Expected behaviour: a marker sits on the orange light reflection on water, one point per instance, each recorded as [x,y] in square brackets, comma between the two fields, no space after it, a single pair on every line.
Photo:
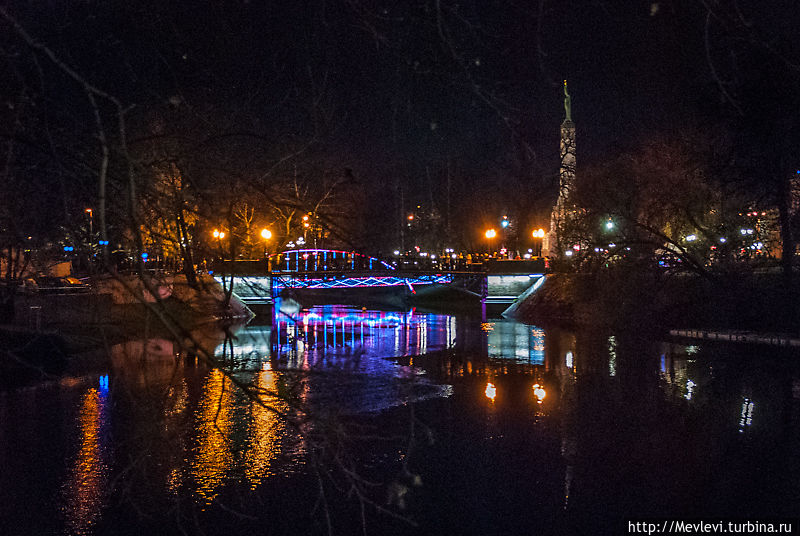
[266,430]
[223,454]
[84,489]
[213,458]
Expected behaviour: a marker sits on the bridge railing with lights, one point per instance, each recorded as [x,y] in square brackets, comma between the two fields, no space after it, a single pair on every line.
[306,261]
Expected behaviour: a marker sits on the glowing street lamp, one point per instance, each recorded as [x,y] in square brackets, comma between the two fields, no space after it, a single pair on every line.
[218,234]
[489,234]
[538,235]
[90,212]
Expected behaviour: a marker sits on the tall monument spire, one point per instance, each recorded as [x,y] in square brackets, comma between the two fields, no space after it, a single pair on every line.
[563,209]
[567,103]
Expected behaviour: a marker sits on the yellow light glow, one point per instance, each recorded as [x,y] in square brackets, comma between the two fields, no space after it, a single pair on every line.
[216,233]
[538,233]
[84,493]
[213,457]
[491,233]
[539,392]
[491,391]
[221,234]
[266,234]
[266,430]
[305,218]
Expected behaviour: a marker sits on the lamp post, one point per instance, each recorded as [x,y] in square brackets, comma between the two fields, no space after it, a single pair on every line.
[266,234]
[538,235]
[504,224]
[90,212]
[489,234]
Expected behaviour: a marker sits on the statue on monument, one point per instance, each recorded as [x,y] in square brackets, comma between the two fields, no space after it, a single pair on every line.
[567,103]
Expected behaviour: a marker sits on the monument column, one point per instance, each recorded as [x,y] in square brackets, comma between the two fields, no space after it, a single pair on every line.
[552,244]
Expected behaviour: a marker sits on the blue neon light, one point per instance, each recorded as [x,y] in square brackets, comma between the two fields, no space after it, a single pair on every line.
[361,282]
[103,383]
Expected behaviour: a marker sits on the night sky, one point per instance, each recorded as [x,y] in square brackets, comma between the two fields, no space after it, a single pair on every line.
[401,93]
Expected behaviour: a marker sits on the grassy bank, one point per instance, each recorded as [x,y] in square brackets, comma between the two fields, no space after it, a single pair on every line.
[623,299]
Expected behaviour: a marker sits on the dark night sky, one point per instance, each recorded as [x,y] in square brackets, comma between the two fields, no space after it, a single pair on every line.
[390,72]
[403,89]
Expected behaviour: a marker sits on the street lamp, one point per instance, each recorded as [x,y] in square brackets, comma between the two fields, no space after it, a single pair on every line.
[266,234]
[538,235]
[91,224]
[489,234]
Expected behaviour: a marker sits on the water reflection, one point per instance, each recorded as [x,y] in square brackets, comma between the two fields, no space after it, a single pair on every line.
[85,488]
[267,429]
[213,457]
[308,335]
[600,425]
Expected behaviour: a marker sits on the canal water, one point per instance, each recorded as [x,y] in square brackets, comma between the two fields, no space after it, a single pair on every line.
[354,420]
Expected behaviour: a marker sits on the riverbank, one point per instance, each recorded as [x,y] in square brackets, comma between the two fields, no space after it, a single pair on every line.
[621,299]
[56,334]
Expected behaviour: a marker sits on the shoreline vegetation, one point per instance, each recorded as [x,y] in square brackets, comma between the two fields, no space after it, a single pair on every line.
[54,335]
[628,301]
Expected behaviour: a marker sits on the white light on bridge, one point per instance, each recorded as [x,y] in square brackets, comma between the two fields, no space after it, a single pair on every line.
[539,392]
[689,389]
[491,391]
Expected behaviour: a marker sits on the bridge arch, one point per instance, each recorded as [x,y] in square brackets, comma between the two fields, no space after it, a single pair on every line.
[320,260]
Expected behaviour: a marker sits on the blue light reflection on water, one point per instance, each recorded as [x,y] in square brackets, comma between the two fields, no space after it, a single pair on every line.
[311,334]
[370,354]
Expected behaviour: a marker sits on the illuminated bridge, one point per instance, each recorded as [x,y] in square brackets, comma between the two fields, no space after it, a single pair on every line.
[320,272]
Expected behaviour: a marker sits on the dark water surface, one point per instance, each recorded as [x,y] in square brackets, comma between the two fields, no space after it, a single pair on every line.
[458,425]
